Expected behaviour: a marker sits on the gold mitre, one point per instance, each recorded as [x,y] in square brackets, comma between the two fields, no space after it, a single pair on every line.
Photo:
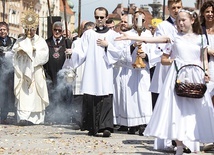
[29,19]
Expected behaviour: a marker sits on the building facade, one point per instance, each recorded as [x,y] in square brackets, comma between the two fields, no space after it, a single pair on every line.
[11,12]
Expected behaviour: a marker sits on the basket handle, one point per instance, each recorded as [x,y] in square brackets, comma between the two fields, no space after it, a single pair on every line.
[194,65]
[178,70]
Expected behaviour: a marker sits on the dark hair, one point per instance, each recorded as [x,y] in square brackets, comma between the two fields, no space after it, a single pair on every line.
[109,21]
[170,2]
[21,35]
[140,12]
[203,8]
[88,25]
[101,9]
[4,24]
[196,26]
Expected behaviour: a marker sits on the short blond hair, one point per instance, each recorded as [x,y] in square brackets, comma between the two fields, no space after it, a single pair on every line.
[170,2]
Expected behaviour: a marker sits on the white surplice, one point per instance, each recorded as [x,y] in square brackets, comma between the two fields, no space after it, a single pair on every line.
[133,106]
[97,76]
[30,85]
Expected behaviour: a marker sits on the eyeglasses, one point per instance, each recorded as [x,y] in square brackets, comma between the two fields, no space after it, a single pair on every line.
[101,17]
[59,30]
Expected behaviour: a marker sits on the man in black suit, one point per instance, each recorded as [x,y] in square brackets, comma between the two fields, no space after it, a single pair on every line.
[7,101]
[57,54]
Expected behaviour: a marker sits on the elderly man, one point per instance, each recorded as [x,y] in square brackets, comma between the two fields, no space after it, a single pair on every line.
[60,97]
[57,47]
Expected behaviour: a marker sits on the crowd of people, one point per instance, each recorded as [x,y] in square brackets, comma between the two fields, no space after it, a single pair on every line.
[121,81]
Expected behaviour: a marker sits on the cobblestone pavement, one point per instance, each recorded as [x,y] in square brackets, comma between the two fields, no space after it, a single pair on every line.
[64,140]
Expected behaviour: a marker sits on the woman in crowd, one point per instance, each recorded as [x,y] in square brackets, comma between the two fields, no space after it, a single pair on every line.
[207,21]
[181,118]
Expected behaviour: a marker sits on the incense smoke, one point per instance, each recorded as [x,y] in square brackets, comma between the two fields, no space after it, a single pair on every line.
[62,107]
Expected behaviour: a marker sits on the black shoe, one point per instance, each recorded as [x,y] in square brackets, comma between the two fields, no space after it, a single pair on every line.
[106,133]
[4,121]
[25,123]
[22,123]
[132,130]
[29,123]
[90,133]
[186,150]
[174,143]
[141,129]
[123,128]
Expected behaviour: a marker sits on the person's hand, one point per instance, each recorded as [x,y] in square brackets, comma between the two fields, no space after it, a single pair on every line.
[207,77]
[68,53]
[102,42]
[142,55]
[210,51]
[137,43]
[34,49]
[123,36]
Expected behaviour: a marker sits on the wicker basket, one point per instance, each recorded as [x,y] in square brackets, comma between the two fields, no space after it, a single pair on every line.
[191,90]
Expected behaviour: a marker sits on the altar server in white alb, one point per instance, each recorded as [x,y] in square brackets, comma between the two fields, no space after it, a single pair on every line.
[135,99]
[99,51]
[165,28]
[31,53]
[118,81]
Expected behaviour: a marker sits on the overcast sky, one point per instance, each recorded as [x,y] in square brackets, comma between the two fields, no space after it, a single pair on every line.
[88,6]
